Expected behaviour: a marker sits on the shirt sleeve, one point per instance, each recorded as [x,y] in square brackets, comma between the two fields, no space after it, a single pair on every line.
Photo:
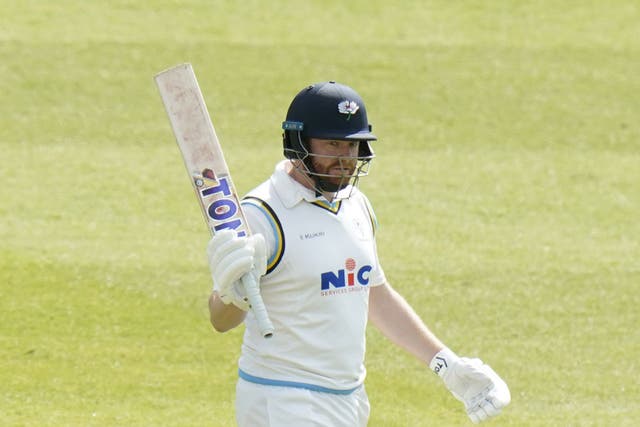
[262,221]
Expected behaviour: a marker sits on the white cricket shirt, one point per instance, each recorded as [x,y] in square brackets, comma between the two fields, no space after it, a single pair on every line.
[322,260]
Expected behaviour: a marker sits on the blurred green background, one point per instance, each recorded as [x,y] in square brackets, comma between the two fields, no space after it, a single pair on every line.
[507,187]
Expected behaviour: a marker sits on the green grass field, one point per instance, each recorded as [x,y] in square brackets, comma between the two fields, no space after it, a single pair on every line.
[507,186]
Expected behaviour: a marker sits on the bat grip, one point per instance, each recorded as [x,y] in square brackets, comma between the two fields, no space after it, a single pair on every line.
[257,305]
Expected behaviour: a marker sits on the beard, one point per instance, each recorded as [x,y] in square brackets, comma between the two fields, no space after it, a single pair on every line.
[335,172]
[334,176]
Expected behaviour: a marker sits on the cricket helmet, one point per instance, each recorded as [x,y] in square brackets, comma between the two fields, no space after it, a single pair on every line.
[333,111]
[327,110]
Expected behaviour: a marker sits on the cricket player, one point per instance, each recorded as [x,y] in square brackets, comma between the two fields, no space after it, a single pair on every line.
[313,251]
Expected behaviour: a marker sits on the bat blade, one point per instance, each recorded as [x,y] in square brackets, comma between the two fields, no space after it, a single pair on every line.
[205,163]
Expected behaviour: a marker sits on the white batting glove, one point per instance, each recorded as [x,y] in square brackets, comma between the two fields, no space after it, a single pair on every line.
[230,258]
[472,382]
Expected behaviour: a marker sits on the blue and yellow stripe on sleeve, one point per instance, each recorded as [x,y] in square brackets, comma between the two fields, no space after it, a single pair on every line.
[276,228]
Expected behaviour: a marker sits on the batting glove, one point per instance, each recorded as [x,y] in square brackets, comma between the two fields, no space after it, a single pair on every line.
[472,382]
[230,258]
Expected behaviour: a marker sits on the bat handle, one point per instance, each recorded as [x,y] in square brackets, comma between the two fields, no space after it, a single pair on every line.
[257,305]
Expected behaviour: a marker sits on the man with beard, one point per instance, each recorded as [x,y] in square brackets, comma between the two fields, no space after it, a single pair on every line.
[314,254]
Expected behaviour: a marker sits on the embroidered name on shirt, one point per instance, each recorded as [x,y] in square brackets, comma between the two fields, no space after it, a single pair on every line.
[313,235]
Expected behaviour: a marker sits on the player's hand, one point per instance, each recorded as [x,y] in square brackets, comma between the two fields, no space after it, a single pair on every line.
[230,258]
[474,383]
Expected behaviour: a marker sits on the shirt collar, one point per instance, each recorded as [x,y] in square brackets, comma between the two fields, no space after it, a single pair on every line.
[290,191]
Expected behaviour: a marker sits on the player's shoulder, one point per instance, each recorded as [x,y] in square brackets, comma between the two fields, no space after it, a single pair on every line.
[357,196]
[263,191]
[362,200]
[356,193]
[263,197]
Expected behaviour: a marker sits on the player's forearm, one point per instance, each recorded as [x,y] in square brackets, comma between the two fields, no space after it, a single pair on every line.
[224,317]
[394,317]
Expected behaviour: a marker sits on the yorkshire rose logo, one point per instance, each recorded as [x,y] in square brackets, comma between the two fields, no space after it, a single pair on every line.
[348,107]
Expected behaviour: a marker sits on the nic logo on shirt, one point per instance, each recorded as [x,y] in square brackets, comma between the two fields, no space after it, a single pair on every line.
[345,277]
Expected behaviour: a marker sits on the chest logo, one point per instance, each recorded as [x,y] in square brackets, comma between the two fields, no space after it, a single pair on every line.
[348,276]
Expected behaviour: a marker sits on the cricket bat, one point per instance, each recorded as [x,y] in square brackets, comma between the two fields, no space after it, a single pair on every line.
[207,168]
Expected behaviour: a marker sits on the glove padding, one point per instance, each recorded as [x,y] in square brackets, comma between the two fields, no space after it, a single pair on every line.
[230,258]
[472,382]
